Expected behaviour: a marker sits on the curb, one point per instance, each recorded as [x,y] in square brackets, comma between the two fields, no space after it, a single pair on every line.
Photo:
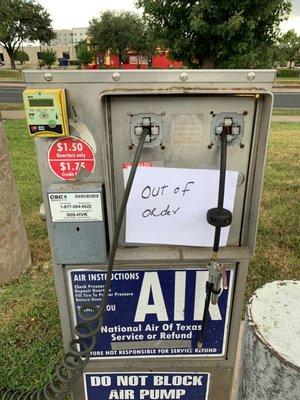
[12,84]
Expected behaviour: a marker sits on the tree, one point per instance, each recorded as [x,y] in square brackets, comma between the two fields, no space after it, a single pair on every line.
[21,56]
[21,21]
[223,33]
[121,32]
[289,47]
[49,57]
[14,249]
[83,53]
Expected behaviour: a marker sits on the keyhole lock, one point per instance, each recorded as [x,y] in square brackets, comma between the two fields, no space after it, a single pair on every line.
[152,124]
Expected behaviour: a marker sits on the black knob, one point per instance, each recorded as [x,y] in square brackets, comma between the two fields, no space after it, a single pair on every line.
[219,217]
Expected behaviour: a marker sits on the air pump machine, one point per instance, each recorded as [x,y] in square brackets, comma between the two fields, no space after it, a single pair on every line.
[151,183]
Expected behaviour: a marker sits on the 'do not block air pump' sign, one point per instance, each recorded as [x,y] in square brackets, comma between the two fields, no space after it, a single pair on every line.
[67,156]
[153,386]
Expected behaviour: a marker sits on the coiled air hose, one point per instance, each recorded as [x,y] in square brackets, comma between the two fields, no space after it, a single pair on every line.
[73,363]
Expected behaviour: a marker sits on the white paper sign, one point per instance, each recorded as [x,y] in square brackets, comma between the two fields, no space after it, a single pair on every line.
[169,206]
[75,207]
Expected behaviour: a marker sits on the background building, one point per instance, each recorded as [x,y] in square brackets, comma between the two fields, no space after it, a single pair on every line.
[69,36]
[64,45]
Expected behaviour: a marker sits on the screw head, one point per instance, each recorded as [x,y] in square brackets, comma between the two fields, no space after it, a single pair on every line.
[184,76]
[48,76]
[209,146]
[251,76]
[241,179]
[116,76]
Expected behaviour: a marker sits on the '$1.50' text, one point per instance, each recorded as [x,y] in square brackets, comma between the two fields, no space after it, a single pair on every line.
[69,147]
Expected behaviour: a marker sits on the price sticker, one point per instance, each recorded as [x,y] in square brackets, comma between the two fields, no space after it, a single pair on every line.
[67,156]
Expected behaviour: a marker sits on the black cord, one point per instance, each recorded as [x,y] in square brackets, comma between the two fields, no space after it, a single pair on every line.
[218,227]
[71,368]
[209,287]
[222,180]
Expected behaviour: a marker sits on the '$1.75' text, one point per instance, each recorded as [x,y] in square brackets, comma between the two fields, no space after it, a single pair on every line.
[74,166]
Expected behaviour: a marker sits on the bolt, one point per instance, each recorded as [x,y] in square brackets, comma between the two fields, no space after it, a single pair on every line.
[48,77]
[245,112]
[163,147]
[184,76]
[251,76]
[242,145]
[210,146]
[241,179]
[116,76]
[130,147]
[212,113]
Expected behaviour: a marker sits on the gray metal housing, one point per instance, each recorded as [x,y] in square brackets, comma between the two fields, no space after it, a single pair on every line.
[100,104]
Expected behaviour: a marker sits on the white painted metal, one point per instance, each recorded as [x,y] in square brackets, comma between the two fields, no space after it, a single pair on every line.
[270,366]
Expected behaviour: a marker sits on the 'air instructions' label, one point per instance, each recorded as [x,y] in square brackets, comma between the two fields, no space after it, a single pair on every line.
[154,313]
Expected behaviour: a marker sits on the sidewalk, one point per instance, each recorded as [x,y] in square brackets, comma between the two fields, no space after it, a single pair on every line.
[286,118]
[13,114]
[12,84]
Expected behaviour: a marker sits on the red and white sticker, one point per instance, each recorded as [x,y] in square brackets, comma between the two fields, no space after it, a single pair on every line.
[67,156]
[129,164]
[127,168]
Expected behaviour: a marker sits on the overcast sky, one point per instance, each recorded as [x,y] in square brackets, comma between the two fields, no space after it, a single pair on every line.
[74,14]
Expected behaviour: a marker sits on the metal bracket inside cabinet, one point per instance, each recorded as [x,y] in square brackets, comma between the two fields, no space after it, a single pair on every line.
[151,121]
[237,131]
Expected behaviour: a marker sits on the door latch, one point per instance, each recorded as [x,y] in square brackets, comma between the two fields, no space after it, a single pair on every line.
[150,122]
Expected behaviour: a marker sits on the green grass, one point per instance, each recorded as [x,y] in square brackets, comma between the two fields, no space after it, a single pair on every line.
[30,339]
[286,111]
[288,81]
[28,181]
[277,253]
[10,75]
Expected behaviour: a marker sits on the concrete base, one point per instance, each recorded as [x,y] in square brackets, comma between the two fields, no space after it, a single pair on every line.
[270,362]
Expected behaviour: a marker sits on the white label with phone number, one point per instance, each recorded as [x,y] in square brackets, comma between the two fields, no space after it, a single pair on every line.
[75,207]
